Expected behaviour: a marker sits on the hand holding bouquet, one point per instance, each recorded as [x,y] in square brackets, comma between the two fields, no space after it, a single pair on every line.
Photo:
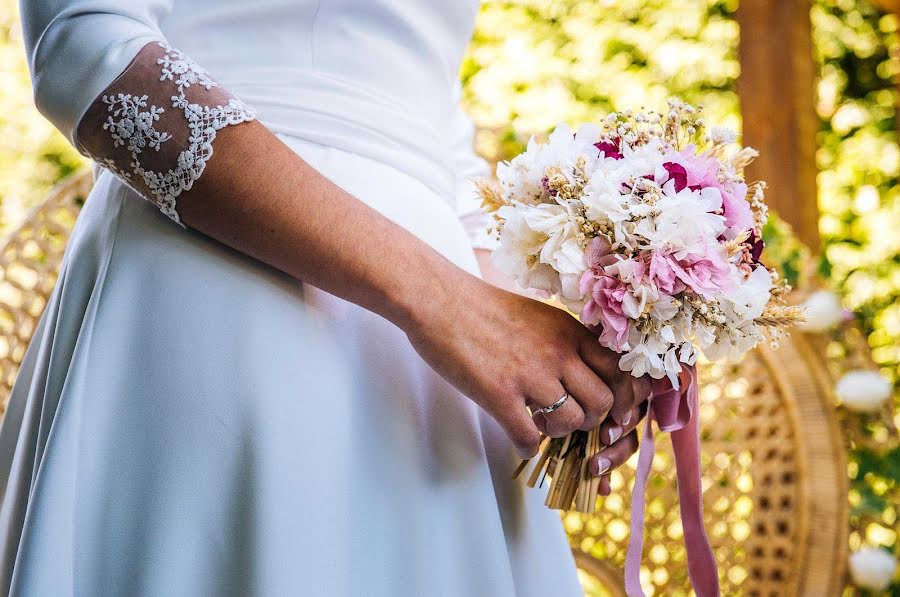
[645,226]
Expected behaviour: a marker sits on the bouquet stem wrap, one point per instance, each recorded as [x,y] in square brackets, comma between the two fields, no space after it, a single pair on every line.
[676,412]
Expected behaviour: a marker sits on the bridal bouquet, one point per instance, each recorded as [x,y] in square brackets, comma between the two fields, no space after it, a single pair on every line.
[645,226]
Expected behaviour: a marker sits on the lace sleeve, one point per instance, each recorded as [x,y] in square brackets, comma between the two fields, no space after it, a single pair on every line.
[155,125]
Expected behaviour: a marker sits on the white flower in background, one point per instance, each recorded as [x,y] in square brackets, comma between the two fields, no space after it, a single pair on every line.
[863,391]
[823,311]
[872,568]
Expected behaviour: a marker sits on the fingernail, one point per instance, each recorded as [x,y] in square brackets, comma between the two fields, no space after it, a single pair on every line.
[603,464]
[627,418]
[614,434]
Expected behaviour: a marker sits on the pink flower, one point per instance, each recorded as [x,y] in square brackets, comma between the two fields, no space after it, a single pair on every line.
[604,307]
[701,171]
[599,253]
[662,274]
[705,274]
[735,207]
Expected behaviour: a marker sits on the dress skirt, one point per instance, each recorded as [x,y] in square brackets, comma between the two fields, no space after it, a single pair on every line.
[189,421]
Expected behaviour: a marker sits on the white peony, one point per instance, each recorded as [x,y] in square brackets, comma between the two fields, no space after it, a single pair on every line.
[603,200]
[750,298]
[872,568]
[519,244]
[823,311]
[863,391]
[561,249]
[539,249]
[685,222]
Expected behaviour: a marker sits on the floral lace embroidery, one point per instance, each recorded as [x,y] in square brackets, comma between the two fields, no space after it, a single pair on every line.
[131,123]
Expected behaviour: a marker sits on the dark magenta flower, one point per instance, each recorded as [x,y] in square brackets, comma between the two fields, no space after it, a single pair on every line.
[678,174]
[610,149]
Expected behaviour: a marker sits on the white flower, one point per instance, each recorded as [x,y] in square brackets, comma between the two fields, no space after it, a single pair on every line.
[603,199]
[823,311]
[863,391]
[538,248]
[750,298]
[685,222]
[722,135]
[521,178]
[519,244]
[641,360]
[561,250]
[872,568]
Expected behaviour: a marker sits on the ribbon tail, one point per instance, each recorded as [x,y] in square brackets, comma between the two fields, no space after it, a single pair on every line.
[686,446]
[638,503]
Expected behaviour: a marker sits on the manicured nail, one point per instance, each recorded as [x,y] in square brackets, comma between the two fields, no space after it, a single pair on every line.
[603,464]
[614,434]
[627,418]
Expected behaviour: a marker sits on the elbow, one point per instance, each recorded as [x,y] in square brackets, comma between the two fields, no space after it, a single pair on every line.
[56,68]
[75,55]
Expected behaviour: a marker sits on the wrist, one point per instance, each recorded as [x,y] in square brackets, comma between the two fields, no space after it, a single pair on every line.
[430,294]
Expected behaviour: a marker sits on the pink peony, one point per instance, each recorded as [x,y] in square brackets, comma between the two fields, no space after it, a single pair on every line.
[735,207]
[706,274]
[701,171]
[662,274]
[604,307]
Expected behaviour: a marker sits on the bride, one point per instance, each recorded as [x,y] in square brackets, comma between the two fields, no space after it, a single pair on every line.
[285,372]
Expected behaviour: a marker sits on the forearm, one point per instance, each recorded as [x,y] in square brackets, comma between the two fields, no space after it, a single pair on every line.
[156,126]
[260,198]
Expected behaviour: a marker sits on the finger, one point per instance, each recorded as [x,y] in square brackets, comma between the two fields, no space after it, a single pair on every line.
[562,421]
[520,428]
[593,395]
[606,364]
[614,456]
[605,485]
[611,432]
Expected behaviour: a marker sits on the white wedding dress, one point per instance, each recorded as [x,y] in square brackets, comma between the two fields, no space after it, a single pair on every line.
[189,421]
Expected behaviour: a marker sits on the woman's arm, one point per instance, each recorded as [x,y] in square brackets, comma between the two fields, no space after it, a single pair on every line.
[254,194]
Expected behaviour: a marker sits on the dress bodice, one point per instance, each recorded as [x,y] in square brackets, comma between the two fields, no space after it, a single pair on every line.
[375,77]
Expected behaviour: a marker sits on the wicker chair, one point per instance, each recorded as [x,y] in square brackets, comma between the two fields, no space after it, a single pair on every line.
[774,462]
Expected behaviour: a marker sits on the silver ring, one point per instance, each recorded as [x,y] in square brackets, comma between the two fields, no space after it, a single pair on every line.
[556,405]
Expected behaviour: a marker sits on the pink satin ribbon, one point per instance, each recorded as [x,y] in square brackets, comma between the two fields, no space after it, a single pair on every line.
[676,412]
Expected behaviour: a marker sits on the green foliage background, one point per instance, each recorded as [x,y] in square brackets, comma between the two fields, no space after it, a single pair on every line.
[534,63]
